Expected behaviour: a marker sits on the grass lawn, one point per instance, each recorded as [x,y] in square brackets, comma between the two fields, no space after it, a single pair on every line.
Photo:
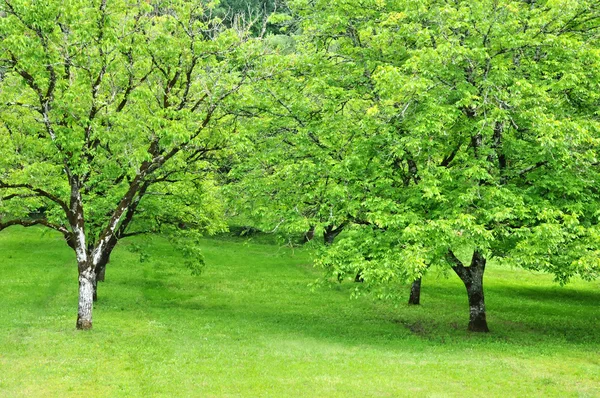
[250,326]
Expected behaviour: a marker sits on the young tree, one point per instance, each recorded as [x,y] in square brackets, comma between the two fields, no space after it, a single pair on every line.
[113,113]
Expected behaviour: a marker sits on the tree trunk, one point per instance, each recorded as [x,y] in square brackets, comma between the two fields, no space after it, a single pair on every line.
[330,233]
[415,293]
[96,289]
[100,275]
[102,272]
[477,320]
[309,235]
[87,279]
[472,277]
[328,238]
[100,269]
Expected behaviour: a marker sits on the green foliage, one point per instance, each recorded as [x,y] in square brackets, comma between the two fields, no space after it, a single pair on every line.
[118,114]
[419,128]
[485,133]
[310,149]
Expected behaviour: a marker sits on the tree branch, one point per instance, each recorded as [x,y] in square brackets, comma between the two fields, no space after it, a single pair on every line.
[38,191]
[531,168]
[30,223]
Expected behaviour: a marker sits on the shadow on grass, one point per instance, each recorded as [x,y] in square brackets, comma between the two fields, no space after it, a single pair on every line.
[551,295]
[518,317]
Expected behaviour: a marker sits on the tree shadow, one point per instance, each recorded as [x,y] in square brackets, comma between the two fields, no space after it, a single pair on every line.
[518,316]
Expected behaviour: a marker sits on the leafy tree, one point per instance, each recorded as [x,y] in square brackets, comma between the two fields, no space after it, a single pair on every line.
[302,132]
[313,148]
[320,131]
[495,124]
[314,138]
[113,115]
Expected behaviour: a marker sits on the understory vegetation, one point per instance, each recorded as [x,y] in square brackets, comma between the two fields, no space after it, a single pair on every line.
[250,326]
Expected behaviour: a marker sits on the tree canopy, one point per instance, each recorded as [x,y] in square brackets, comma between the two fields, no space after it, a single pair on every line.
[432,133]
[113,115]
[476,136]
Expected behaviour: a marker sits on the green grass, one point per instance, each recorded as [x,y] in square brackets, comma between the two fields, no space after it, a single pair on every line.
[250,326]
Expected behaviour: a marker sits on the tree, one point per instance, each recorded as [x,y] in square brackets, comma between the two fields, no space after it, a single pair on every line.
[302,130]
[113,114]
[494,132]
[341,57]
[313,137]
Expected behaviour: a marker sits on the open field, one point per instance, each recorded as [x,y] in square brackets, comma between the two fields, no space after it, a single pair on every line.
[250,326]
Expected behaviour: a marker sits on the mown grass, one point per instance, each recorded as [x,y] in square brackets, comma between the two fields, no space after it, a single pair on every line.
[250,326]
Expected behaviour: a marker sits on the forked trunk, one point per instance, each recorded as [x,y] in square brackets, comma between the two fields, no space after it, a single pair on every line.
[415,293]
[472,277]
[329,237]
[87,280]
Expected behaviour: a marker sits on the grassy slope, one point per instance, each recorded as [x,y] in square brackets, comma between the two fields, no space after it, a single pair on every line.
[249,326]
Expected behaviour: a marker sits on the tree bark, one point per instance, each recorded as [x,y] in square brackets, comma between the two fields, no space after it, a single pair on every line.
[95,289]
[100,269]
[102,272]
[472,277]
[87,279]
[415,293]
[309,235]
[330,233]
[328,238]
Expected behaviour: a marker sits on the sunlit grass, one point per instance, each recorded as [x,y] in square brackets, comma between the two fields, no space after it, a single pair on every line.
[250,326]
